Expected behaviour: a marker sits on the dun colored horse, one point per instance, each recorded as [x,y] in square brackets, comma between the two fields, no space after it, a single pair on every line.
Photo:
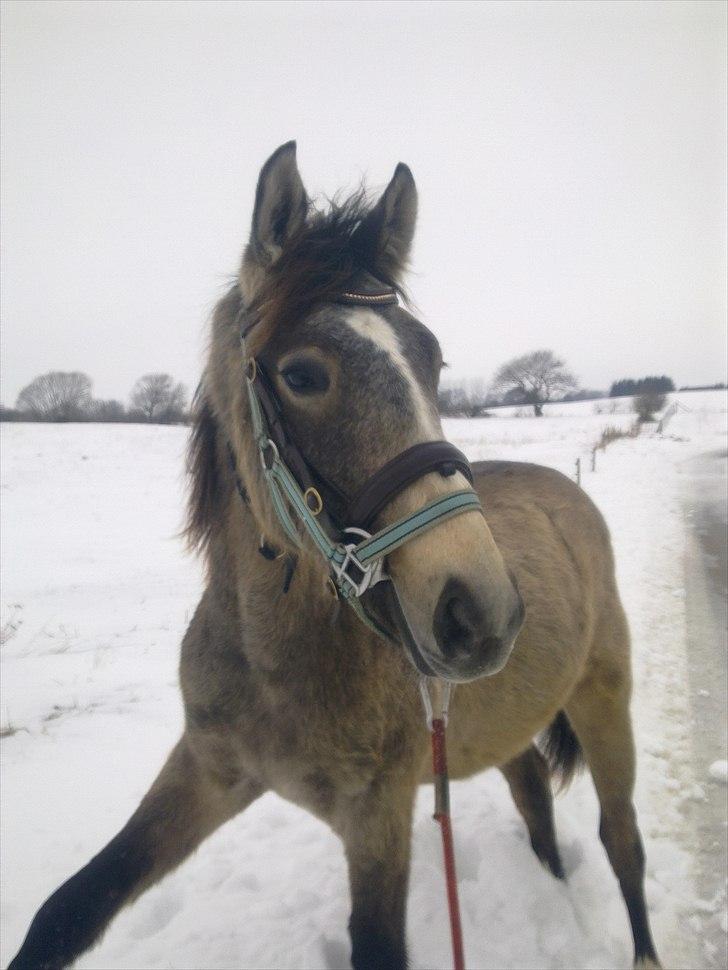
[286,686]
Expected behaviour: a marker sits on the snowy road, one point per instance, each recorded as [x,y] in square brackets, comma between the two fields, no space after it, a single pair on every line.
[706,510]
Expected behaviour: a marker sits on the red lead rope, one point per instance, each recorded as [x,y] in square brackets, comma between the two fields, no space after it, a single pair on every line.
[442,815]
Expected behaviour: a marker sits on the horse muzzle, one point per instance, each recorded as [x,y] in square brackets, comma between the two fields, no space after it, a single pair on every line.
[470,642]
[464,641]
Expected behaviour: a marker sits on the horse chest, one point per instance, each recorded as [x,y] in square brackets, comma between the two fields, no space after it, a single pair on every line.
[309,755]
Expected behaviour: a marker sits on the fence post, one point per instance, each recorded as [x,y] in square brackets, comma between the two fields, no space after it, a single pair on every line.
[594,459]
[578,471]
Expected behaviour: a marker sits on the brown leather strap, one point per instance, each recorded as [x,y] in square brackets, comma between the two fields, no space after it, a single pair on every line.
[400,472]
[304,473]
[277,428]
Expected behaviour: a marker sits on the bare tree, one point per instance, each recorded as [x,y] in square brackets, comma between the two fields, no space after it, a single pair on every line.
[159,399]
[56,396]
[646,404]
[535,378]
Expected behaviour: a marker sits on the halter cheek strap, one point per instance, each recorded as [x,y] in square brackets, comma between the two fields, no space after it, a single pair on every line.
[310,481]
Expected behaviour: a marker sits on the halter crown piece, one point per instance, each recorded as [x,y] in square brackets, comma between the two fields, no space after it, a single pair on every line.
[354,555]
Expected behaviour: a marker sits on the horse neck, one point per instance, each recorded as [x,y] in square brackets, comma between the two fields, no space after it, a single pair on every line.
[297,628]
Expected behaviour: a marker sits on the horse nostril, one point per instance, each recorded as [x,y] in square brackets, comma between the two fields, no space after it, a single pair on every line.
[455,613]
[457,619]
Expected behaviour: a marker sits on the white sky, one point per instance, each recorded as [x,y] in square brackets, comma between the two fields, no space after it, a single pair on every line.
[570,159]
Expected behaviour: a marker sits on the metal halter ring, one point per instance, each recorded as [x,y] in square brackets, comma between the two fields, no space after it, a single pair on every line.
[312,493]
[369,574]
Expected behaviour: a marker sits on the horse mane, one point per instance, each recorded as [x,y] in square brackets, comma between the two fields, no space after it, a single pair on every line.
[204,503]
[319,262]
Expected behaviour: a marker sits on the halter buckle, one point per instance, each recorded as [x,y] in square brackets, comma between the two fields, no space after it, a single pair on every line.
[370,574]
[357,585]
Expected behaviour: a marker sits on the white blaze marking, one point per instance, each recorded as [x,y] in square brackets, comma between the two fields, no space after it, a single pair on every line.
[368,324]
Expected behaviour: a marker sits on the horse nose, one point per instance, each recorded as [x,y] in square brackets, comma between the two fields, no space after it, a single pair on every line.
[464,631]
[457,620]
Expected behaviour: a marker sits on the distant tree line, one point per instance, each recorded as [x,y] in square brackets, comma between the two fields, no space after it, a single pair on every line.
[535,379]
[628,387]
[531,380]
[703,387]
[67,396]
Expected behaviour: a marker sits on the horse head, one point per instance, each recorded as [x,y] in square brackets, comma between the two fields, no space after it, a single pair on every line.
[348,376]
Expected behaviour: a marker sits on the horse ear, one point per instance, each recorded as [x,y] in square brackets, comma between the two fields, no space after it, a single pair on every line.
[387,232]
[281,204]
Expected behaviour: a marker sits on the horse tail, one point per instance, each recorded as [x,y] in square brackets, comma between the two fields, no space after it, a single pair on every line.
[562,750]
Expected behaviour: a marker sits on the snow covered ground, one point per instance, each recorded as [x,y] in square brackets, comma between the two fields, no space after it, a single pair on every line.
[96,593]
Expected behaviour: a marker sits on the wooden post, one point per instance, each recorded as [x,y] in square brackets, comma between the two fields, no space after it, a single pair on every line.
[578,471]
[594,459]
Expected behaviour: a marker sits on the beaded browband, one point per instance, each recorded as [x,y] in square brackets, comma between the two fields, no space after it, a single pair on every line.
[365,299]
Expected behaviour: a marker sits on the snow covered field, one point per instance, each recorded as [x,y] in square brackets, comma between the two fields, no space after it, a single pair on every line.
[96,593]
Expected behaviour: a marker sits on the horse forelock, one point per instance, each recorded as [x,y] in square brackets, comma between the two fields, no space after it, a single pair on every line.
[319,262]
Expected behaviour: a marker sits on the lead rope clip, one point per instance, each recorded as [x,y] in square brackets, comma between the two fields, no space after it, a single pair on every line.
[436,717]
[443,691]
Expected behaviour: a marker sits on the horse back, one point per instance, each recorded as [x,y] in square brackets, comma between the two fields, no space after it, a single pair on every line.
[556,544]
[549,518]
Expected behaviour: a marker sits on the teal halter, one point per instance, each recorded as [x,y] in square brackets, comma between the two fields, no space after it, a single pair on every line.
[357,565]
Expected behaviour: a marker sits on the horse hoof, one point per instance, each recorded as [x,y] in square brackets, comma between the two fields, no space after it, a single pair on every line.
[647,963]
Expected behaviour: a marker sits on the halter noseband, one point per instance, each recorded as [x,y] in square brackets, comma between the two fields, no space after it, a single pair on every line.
[355,556]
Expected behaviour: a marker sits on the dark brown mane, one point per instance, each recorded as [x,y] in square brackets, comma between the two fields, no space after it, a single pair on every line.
[319,262]
[207,488]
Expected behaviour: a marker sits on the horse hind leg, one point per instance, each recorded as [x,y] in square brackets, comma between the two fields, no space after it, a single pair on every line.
[528,777]
[183,806]
[599,713]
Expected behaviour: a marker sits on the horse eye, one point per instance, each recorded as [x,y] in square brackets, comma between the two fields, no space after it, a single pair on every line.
[306,378]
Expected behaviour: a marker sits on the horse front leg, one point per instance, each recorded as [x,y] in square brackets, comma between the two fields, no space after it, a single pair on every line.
[377,833]
[184,805]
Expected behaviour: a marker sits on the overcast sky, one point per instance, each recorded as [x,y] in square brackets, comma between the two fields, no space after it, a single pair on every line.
[570,159]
